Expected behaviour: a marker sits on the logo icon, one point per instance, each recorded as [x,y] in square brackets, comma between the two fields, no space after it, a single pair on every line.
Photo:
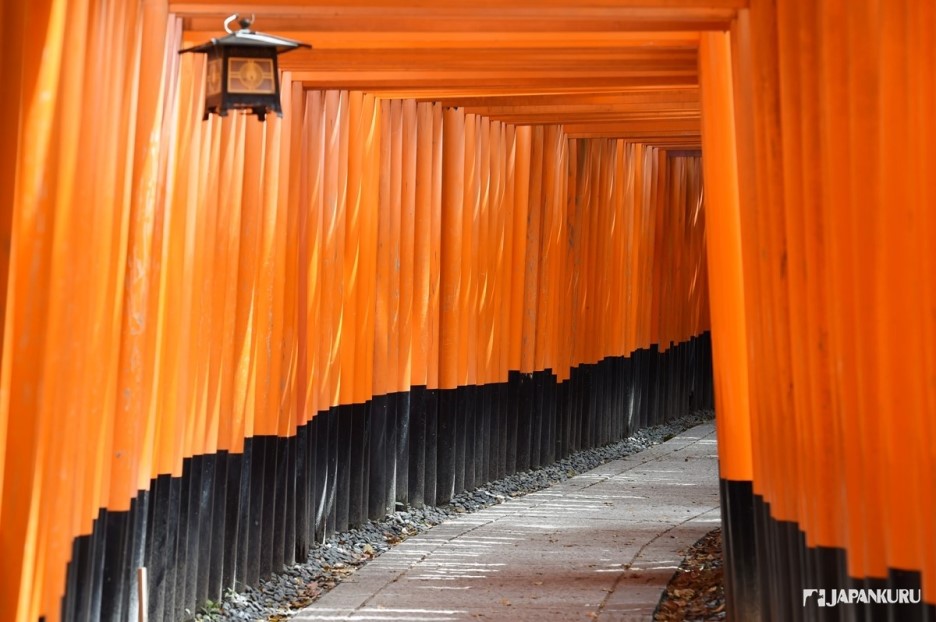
[820,600]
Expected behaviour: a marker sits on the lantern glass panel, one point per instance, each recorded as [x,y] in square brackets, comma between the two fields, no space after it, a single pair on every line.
[251,75]
[213,77]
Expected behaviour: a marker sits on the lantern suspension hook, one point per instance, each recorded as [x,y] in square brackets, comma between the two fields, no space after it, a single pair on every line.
[244,22]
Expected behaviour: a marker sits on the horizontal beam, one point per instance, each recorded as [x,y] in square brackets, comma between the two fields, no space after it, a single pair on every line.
[666,143]
[637,97]
[584,61]
[485,81]
[676,152]
[206,28]
[496,56]
[482,6]
[637,137]
[648,129]
[527,16]
[636,111]
[563,118]
[669,142]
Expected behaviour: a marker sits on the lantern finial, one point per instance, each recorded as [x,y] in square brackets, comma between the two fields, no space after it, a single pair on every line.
[244,22]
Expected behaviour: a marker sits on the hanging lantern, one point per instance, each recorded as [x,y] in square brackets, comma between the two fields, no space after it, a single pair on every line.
[242,71]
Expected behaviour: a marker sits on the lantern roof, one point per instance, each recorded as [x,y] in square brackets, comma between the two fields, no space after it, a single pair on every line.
[245,37]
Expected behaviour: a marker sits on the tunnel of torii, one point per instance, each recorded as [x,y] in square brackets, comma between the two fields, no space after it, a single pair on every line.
[476,241]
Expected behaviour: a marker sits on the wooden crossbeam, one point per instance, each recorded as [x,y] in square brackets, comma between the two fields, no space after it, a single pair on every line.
[487,16]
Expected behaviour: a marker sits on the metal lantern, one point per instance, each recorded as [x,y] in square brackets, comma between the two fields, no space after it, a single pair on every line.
[242,70]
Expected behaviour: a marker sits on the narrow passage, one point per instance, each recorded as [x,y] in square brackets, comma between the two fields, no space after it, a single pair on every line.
[601,545]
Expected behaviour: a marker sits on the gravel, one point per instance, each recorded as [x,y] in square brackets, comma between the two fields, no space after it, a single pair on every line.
[284,594]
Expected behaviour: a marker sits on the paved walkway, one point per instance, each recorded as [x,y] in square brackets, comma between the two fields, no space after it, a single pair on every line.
[601,545]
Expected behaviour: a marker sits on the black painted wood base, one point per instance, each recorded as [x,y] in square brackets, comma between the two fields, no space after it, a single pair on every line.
[768,565]
[232,519]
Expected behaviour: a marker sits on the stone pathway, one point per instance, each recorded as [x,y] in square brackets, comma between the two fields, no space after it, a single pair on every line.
[601,545]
